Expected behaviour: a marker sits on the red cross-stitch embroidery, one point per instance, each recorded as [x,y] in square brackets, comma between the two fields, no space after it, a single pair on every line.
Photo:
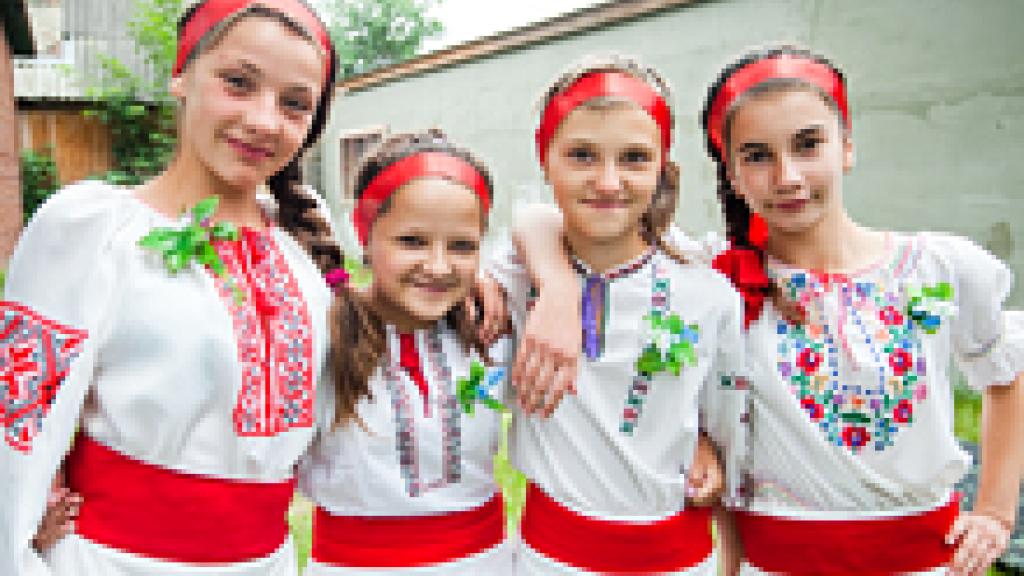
[274,336]
[35,356]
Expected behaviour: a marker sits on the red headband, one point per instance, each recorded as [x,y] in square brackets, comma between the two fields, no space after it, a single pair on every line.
[212,12]
[421,165]
[782,66]
[604,84]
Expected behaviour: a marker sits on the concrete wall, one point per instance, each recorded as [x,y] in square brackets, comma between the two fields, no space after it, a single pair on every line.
[10,164]
[937,97]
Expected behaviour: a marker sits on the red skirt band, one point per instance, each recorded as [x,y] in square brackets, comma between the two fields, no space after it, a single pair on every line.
[407,541]
[160,513]
[672,544]
[865,547]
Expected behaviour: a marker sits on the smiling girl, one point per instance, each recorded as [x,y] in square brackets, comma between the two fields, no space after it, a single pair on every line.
[852,455]
[661,343]
[183,350]
[402,476]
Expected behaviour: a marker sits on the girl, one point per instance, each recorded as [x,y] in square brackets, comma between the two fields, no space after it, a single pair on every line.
[850,334]
[403,475]
[607,471]
[185,349]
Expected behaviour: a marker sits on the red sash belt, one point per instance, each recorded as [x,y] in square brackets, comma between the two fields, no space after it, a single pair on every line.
[865,547]
[406,541]
[161,513]
[672,544]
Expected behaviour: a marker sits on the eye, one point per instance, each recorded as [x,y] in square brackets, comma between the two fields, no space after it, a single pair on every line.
[637,156]
[464,246]
[411,241]
[581,154]
[808,144]
[756,156]
[297,104]
[237,82]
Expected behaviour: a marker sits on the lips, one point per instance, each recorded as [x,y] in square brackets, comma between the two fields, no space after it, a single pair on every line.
[249,152]
[795,205]
[605,203]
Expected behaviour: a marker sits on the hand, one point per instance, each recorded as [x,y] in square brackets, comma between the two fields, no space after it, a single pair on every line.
[61,510]
[705,480]
[545,365]
[495,321]
[980,539]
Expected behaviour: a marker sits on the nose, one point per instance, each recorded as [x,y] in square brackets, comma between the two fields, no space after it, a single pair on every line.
[438,262]
[787,172]
[609,178]
[263,114]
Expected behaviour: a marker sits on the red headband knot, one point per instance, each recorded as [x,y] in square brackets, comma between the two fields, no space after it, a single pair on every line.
[603,85]
[212,12]
[792,66]
[417,166]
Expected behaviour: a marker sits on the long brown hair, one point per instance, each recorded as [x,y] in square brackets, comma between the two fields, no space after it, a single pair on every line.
[358,336]
[661,211]
[735,210]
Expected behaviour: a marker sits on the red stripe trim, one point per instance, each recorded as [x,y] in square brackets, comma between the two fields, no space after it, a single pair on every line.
[145,509]
[868,547]
[672,544]
[407,541]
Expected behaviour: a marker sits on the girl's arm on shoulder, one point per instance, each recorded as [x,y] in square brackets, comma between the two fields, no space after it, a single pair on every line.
[544,369]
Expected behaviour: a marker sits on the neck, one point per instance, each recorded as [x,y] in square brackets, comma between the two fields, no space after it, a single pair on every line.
[835,244]
[601,255]
[181,186]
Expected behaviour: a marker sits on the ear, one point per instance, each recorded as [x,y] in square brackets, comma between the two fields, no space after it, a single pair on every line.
[848,155]
[176,87]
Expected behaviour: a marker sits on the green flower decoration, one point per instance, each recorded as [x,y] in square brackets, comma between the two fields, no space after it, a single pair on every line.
[671,345]
[928,305]
[359,276]
[474,389]
[192,242]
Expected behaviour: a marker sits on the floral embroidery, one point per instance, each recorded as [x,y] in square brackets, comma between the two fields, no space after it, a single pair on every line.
[669,344]
[35,357]
[478,387]
[405,424]
[274,337]
[877,332]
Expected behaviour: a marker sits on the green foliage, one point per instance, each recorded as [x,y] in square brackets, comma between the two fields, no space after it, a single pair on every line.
[368,34]
[966,414]
[3,280]
[39,179]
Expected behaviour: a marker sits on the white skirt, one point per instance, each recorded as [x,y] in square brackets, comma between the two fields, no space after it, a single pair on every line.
[76,556]
[497,561]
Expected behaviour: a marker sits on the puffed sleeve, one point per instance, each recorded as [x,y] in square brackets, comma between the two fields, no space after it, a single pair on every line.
[60,285]
[508,270]
[724,396]
[988,344]
[701,250]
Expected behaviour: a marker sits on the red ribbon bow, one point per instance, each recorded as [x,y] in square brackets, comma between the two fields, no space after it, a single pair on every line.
[744,268]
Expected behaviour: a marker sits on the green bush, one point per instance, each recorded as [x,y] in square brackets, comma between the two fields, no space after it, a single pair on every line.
[39,179]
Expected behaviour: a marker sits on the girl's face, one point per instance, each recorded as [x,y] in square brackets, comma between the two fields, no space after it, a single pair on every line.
[424,250]
[787,156]
[603,165]
[249,101]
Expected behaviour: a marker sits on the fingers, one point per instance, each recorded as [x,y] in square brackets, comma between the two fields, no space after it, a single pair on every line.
[980,541]
[563,383]
[494,309]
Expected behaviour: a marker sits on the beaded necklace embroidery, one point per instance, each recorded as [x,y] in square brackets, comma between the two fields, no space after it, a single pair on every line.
[873,333]
[596,301]
[405,423]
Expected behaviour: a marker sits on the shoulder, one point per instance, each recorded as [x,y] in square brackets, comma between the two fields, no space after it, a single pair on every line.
[702,249]
[958,257]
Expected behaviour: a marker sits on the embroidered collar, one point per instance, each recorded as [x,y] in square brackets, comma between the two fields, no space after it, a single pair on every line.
[617,272]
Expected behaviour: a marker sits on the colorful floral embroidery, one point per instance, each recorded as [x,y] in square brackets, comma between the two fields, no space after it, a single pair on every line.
[405,423]
[274,336]
[878,331]
[35,357]
[668,345]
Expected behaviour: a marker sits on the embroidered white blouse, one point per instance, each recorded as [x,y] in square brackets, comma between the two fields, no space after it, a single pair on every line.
[410,455]
[621,446]
[174,370]
[852,413]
